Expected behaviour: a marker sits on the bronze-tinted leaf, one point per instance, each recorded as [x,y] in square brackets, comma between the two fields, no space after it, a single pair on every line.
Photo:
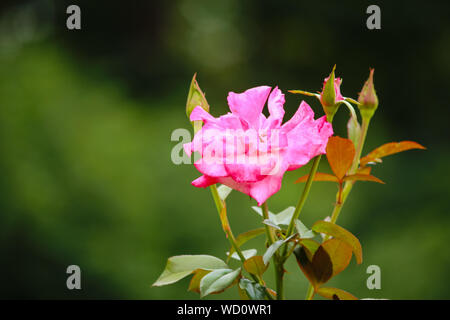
[311,247]
[342,234]
[319,176]
[388,149]
[364,170]
[340,254]
[322,265]
[362,177]
[224,219]
[333,293]
[340,154]
[194,285]
[255,265]
[319,269]
[305,264]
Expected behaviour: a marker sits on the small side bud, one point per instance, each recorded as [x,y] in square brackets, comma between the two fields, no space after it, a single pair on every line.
[195,98]
[331,95]
[368,100]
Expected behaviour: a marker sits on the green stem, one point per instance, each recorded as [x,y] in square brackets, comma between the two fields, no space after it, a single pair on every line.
[279,273]
[343,194]
[310,293]
[269,233]
[290,230]
[279,270]
[304,196]
[219,205]
[362,139]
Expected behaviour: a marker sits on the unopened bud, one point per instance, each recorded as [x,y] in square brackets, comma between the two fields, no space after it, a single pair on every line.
[368,100]
[331,95]
[195,98]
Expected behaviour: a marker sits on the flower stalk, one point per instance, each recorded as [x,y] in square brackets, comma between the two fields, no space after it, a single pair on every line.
[220,206]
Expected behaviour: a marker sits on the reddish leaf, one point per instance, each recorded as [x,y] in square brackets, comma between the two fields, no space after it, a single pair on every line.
[194,285]
[311,247]
[255,265]
[305,264]
[317,269]
[362,177]
[319,177]
[388,149]
[340,154]
[333,293]
[342,234]
[364,170]
[322,265]
[340,254]
[224,219]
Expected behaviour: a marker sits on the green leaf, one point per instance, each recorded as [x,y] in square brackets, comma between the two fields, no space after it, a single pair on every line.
[282,218]
[259,211]
[254,290]
[217,281]
[246,236]
[247,254]
[255,265]
[303,231]
[178,267]
[342,234]
[224,191]
[242,293]
[272,224]
[273,248]
[333,293]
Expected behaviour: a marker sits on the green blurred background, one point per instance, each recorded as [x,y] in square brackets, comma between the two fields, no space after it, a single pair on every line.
[86,119]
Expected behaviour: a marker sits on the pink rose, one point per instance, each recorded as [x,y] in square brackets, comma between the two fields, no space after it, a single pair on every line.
[249,152]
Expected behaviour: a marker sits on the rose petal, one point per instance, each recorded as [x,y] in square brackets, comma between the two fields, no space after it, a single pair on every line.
[249,104]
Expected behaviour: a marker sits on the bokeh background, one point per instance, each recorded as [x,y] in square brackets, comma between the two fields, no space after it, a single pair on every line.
[86,118]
